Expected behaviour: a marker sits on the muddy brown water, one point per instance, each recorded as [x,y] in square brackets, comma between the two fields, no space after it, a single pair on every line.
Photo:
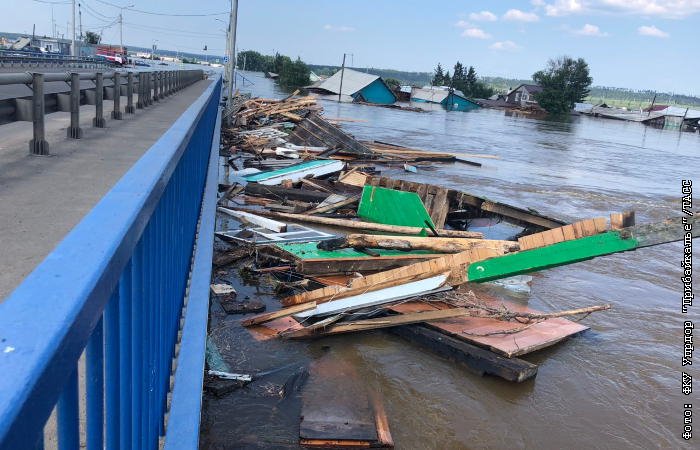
[616,386]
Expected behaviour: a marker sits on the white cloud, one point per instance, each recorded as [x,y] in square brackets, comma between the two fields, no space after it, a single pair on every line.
[537,2]
[476,33]
[590,30]
[484,16]
[520,16]
[652,31]
[564,7]
[340,28]
[463,24]
[504,46]
[673,9]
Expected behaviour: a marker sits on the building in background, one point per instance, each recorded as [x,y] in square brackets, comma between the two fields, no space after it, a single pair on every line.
[356,87]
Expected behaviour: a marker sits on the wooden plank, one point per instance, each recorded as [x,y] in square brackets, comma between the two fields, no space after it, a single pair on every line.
[284,312]
[621,220]
[337,405]
[360,225]
[381,322]
[520,214]
[363,265]
[434,244]
[424,269]
[476,330]
[334,206]
[440,208]
[477,359]
[280,193]
[264,222]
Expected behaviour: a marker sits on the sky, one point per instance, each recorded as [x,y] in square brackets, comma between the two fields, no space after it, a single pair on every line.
[637,44]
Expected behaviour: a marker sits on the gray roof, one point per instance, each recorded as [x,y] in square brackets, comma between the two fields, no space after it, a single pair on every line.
[532,88]
[353,81]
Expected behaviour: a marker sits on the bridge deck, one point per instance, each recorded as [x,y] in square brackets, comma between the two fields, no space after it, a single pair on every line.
[42,198]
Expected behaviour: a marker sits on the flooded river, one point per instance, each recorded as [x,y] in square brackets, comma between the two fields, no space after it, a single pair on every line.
[616,386]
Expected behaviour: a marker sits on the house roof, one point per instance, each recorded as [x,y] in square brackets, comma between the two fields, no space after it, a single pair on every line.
[353,81]
[532,88]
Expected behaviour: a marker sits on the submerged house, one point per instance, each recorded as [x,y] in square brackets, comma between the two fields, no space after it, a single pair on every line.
[452,100]
[357,86]
[524,95]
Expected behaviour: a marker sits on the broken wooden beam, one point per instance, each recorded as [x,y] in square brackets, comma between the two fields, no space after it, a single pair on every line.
[436,244]
[476,359]
[377,323]
[366,226]
[277,192]
[284,312]
[425,269]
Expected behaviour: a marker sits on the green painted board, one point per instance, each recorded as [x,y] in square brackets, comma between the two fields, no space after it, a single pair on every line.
[390,207]
[308,250]
[562,253]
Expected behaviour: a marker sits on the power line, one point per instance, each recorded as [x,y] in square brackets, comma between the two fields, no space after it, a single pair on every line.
[187,33]
[162,14]
[94,11]
[53,3]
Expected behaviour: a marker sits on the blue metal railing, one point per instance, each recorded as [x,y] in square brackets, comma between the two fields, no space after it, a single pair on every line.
[115,288]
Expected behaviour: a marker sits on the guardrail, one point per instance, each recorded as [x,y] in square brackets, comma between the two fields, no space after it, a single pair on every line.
[152,87]
[114,290]
[12,58]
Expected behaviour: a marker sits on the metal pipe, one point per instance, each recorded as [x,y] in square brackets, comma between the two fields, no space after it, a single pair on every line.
[74,130]
[38,145]
[99,120]
[117,111]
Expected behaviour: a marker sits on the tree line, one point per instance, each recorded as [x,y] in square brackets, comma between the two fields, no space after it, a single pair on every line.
[292,73]
[462,79]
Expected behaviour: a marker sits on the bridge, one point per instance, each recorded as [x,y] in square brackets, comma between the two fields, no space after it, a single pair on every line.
[107,232]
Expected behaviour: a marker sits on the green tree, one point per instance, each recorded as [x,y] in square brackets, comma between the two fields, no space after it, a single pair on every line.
[439,76]
[458,77]
[447,79]
[471,81]
[393,83]
[293,74]
[92,38]
[564,82]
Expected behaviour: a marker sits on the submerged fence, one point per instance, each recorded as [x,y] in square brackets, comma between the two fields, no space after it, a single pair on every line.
[117,290]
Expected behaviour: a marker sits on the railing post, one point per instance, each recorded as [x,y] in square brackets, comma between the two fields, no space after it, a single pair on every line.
[161,91]
[141,91]
[38,145]
[147,95]
[156,85]
[130,93]
[99,120]
[74,130]
[170,83]
[117,111]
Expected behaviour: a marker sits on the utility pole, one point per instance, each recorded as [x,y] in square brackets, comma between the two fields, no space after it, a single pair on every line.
[232,50]
[121,32]
[80,38]
[72,38]
[342,72]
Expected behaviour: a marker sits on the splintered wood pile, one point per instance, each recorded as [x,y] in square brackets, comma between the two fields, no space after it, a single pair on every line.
[397,254]
[286,108]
